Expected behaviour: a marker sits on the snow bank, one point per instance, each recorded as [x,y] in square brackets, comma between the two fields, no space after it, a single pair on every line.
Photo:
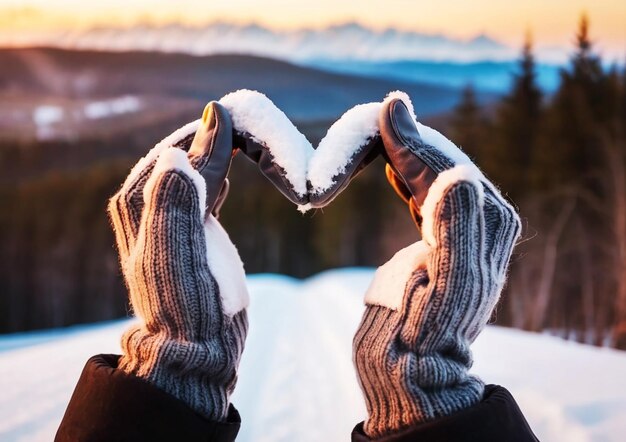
[112,107]
[48,114]
[297,382]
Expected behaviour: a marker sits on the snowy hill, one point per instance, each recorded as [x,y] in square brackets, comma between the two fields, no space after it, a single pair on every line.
[297,371]
[49,76]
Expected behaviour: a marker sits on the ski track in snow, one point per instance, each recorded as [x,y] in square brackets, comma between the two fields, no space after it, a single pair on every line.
[297,382]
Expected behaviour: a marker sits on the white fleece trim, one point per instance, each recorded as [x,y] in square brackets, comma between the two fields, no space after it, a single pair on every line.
[176,159]
[465,172]
[254,113]
[388,287]
[153,153]
[226,267]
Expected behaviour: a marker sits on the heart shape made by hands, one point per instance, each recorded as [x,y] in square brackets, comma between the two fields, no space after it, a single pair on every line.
[312,174]
[309,177]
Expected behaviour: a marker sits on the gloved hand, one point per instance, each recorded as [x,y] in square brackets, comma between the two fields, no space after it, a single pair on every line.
[431,300]
[310,178]
[185,279]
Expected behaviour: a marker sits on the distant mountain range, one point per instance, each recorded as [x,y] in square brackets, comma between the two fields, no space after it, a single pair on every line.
[491,76]
[349,48]
[350,41]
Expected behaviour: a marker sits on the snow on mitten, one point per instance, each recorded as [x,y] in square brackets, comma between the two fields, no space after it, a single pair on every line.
[432,299]
[185,278]
[308,177]
[267,136]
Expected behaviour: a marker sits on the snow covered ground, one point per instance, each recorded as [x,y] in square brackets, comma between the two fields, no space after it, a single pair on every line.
[297,371]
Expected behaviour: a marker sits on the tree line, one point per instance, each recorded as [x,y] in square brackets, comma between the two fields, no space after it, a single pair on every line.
[561,158]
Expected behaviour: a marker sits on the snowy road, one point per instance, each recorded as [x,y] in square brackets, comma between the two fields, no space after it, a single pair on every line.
[297,382]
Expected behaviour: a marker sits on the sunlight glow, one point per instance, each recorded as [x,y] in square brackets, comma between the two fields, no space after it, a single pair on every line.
[551,22]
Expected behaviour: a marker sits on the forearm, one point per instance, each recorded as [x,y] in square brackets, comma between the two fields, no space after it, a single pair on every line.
[413,355]
[109,404]
[413,358]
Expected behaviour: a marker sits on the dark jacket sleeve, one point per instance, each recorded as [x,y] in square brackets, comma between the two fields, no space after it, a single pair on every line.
[496,418]
[110,405]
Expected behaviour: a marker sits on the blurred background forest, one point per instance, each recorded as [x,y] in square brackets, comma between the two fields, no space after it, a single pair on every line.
[73,122]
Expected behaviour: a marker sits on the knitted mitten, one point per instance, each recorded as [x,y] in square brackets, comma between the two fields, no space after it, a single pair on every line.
[185,279]
[431,300]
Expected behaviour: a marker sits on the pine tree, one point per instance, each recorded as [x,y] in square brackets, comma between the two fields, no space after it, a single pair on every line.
[517,126]
[586,66]
[568,151]
[468,124]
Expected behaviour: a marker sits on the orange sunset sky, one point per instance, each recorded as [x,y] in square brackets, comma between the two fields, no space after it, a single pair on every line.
[552,21]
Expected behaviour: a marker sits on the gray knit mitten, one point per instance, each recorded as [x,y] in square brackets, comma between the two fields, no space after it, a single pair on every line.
[185,279]
[431,300]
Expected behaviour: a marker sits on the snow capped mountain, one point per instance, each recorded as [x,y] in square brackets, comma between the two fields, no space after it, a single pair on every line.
[349,41]
[346,48]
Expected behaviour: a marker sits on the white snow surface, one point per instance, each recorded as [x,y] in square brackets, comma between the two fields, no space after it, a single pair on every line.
[112,107]
[297,381]
[47,114]
[389,284]
[345,138]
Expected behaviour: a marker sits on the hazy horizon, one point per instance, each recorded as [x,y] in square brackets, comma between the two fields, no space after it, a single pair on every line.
[348,41]
[552,25]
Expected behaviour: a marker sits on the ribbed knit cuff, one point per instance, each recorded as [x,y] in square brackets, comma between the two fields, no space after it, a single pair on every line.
[412,349]
[201,374]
